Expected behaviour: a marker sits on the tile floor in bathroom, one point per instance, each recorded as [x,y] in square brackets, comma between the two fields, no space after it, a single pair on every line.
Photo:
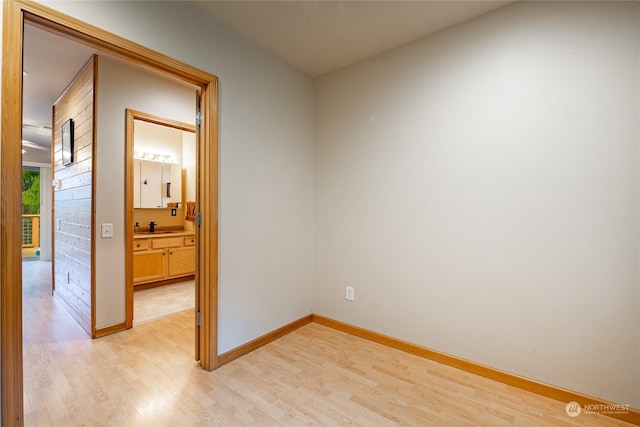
[154,303]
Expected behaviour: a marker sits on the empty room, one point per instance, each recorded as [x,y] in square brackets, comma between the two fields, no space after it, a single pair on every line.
[392,213]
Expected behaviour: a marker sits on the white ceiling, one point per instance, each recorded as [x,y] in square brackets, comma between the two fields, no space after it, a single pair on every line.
[313,36]
[322,36]
[51,63]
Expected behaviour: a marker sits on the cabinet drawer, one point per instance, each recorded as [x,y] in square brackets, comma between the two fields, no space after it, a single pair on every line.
[190,241]
[169,242]
[140,245]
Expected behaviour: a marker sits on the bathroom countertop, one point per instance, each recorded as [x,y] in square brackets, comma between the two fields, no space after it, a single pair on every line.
[163,233]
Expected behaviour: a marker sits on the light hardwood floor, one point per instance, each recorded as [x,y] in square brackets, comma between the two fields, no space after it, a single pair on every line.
[146,376]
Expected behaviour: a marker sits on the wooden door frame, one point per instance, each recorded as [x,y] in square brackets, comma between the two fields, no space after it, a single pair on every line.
[15,14]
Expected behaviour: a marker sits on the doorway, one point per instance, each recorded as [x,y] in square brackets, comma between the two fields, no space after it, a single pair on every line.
[36,211]
[15,14]
[161,200]
[30,213]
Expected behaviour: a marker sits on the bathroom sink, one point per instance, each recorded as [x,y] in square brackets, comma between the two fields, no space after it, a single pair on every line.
[156,232]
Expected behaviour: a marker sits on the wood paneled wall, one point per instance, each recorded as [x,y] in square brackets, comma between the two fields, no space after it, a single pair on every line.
[73,198]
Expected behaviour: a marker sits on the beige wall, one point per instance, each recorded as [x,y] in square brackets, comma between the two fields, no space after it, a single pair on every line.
[479,189]
[157,139]
[162,217]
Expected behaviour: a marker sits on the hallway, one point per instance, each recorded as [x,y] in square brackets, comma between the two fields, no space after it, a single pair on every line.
[124,379]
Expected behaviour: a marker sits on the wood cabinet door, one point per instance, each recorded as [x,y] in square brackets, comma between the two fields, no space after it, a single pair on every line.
[182,261]
[149,266]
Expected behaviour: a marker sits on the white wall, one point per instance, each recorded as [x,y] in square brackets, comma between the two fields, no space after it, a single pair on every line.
[479,189]
[121,86]
[36,156]
[266,163]
[45,213]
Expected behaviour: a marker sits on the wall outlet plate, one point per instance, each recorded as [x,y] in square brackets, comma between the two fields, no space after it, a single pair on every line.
[350,293]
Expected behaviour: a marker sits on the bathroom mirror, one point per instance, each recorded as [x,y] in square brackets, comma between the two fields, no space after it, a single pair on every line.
[158,158]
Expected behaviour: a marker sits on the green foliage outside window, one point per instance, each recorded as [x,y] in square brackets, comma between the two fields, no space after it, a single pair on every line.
[30,192]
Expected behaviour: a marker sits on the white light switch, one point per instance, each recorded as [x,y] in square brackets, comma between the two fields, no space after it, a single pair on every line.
[107,231]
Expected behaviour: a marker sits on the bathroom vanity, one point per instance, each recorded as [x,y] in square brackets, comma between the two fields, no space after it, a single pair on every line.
[163,256]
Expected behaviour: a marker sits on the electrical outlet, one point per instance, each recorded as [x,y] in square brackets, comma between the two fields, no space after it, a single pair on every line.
[350,293]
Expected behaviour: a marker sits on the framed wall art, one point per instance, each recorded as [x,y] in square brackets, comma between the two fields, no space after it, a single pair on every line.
[67,142]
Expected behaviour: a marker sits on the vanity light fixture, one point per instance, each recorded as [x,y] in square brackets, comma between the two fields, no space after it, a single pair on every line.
[162,158]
